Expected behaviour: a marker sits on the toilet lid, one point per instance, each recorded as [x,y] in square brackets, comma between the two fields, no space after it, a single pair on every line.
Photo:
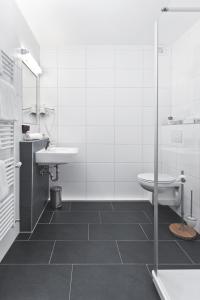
[162,178]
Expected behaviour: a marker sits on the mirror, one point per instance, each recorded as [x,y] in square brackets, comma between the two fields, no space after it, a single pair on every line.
[29,95]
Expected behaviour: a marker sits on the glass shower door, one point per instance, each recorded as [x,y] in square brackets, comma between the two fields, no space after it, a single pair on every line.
[177,154]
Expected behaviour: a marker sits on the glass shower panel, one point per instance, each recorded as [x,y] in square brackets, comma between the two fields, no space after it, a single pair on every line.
[177,152]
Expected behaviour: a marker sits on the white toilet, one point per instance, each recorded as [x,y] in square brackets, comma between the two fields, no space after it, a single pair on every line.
[168,188]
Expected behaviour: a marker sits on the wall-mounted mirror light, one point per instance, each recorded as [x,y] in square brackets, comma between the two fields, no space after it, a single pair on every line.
[30,62]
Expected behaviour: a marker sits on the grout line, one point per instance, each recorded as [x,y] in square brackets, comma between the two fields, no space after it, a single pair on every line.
[143,231]
[146,214]
[185,252]
[38,220]
[100,218]
[84,240]
[52,252]
[82,223]
[88,232]
[51,217]
[111,204]
[148,270]
[102,210]
[100,264]
[119,252]
[70,284]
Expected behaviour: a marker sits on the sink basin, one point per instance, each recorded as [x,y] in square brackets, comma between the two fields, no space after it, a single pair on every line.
[55,155]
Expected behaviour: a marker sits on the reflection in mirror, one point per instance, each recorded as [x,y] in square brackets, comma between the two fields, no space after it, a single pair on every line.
[29,81]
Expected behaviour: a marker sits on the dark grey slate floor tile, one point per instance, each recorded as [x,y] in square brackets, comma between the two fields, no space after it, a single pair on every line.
[134,216]
[46,217]
[91,205]
[60,232]
[116,232]
[76,252]
[34,282]
[131,205]
[163,232]
[142,252]
[112,282]
[165,215]
[80,217]
[23,236]
[192,248]
[65,206]
[29,252]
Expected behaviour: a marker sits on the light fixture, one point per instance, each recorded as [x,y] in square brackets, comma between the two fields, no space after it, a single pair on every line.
[30,61]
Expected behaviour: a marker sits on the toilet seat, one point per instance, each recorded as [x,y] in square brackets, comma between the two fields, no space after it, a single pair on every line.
[162,178]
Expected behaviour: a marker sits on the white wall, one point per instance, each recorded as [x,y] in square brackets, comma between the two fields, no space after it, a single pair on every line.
[14,34]
[103,97]
[186,74]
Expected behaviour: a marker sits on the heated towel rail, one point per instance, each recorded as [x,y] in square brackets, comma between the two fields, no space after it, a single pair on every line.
[7,153]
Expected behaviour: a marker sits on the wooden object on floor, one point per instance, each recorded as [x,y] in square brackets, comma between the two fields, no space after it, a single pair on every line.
[183,231]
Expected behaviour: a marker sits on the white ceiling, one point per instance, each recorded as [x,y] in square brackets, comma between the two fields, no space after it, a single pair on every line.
[61,22]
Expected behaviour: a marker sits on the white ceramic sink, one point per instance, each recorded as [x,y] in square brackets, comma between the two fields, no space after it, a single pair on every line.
[55,155]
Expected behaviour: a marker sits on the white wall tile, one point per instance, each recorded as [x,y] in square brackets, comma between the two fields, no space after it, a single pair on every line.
[125,116]
[148,153]
[71,77]
[74,191]
[49,78]
[148,79]
[100,96]
[148,59]
[100,172]
[128,135]
[48,59]
[129,58]
[128,96]
[148,135]
[71,116]
[128,153]
[72,172]
[71,134]
[164,64]
[128,191]
[127,171]
[100,78]
[48,96]
[103,116]
[71,57]
[129,78]
[148,117]
[164,97]
[100,190]
[100,134]
[149,97]
[100,57]
[100,153]
[71,97]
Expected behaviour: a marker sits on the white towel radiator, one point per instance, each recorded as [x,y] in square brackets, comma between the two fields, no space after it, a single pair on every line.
[7,153]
